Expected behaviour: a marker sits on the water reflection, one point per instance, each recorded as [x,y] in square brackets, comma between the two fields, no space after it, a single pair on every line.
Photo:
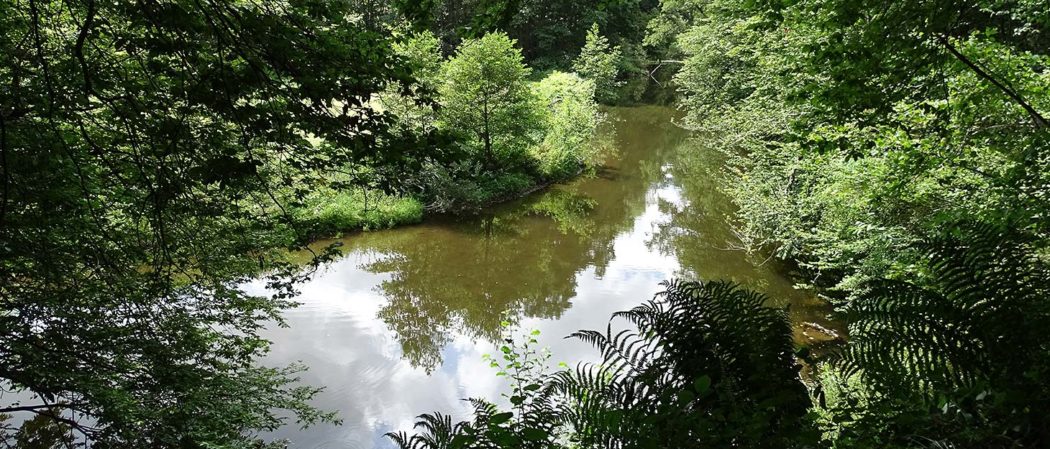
[398,326]
[694,229]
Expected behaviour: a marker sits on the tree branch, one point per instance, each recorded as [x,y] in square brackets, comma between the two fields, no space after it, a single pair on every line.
[31,408]
[1040,121]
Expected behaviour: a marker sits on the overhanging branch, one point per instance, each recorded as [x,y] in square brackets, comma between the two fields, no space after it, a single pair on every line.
[1040,121]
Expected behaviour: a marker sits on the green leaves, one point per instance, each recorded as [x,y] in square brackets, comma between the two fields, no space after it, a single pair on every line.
[535,434]
[152,153]
[702,384]
[600,62]
[486,100]
[500,418]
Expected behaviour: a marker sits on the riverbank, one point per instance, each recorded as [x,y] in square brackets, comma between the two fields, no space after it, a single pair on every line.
[331,214]
[429,299]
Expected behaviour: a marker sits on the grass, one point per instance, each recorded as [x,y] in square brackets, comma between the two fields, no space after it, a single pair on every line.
[334,212]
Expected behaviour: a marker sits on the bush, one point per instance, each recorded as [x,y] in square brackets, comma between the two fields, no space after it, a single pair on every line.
[570,119]
[464,187]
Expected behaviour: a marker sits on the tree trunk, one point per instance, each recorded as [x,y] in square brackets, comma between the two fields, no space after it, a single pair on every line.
[486,136]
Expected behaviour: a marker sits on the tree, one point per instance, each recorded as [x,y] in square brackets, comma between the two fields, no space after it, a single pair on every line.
[421,52]
[486,99]
[854,130]
[570,119]
[600,62]
[549,32]
[150,152]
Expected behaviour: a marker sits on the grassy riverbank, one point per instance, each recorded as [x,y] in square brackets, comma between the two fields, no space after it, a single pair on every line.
[332,213]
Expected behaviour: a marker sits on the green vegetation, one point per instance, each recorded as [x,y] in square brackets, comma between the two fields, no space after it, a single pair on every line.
[855,131]
[505,133]
[970,346]
[151,153]
[956,364]
[486,101]
[570,117]
[899,154]
[327,213]
[600,62]
[155,157]
[550,33]
[703,365]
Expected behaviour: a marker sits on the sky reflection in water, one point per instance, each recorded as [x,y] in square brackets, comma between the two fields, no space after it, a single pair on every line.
[399,325]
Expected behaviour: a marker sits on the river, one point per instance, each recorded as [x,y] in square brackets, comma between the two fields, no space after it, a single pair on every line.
[399,324]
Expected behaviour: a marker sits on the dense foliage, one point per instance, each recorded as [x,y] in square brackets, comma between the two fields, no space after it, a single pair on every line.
[855,130]
[857,136]
[507,129]
[151,153]
[486,100]
[155,156]
[550,33]
[962,360]
[600,61]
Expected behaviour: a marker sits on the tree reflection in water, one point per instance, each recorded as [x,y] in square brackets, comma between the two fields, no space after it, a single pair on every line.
[466,276]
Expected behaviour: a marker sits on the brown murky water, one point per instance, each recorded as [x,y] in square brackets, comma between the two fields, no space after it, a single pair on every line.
[399,325]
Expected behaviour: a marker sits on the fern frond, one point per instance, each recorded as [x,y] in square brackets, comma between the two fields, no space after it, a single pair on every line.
[975,322]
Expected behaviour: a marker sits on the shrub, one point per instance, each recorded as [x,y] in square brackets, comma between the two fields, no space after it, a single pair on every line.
[570,119]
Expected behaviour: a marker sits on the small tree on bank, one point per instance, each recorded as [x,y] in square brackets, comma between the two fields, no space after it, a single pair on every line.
[600,62]
[485,98]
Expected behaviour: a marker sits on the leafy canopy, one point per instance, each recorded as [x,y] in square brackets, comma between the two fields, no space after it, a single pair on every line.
[151,152]
[600,62]
[486,99]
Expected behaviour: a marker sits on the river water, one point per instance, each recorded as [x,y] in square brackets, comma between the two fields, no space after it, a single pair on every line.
[398,326]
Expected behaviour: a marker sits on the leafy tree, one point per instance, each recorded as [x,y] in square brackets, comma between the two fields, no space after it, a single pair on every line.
[600,62]
[550,33]
[150,153]
[854,131]
[485,98]
[412,104]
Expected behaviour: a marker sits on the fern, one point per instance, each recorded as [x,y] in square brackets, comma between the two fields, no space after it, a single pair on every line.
[708,366]
[971,340]
[705,365]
